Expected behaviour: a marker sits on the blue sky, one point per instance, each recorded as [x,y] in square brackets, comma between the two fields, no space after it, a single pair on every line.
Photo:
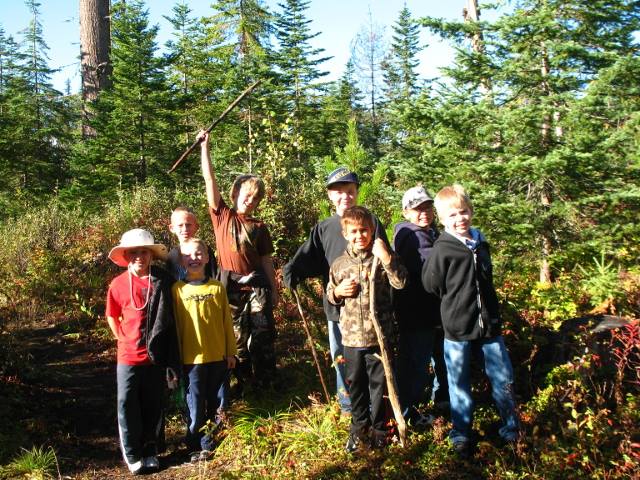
[338,21]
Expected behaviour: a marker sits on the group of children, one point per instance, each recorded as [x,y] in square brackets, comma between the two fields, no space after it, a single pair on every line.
[201,320]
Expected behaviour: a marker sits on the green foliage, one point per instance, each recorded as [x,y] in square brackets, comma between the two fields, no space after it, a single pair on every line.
[39,463]
[601,281]
[559,300]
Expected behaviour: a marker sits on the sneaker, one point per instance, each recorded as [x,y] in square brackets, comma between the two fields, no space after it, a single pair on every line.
[353,443]
[151,463]
[135,467]
[201,456]
[378,442]
[462,449]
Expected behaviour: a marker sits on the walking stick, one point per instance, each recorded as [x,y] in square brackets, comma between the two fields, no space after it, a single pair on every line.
[386,362]
[211,127]
[313,348]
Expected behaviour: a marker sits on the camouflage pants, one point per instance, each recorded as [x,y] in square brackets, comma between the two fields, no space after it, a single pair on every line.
[254,329]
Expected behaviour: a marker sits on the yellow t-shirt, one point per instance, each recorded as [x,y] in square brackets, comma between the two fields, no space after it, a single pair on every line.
[203,320]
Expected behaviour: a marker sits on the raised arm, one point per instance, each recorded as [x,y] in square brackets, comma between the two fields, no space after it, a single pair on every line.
[211,185]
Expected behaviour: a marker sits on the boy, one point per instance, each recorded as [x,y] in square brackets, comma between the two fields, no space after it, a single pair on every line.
[418,312]
[459,271]
[184,225]
[349,287]
[140,316]
[315,256]
[206,340]
[244,254]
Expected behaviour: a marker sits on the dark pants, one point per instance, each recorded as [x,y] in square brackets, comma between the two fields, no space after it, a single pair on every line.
[140,408]
[414,352]
[440,392]
[366,381]
[255,337]
[202,384]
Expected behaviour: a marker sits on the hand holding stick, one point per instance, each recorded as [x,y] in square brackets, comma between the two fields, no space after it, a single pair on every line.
[211,127]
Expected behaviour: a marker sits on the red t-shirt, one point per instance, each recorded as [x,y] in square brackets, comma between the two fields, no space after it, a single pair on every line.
[240,240]
[132,348]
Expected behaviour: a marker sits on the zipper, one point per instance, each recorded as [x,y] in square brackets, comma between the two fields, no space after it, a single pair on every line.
[478,296]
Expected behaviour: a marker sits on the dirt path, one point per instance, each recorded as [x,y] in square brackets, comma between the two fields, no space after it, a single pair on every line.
[70,400]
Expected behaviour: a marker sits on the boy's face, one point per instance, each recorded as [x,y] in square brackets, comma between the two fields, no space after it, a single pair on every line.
[194,259]
[247,200]
[139,259]
[422,215]
[343,196]
[358,235]
[183,225]
[456,220]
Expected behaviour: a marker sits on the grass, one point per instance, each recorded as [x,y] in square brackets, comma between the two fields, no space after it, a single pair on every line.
[39,463]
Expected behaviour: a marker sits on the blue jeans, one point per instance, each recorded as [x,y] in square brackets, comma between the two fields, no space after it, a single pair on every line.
[202,384]
[497,366]
[140,407]
[414,352]
[337,350]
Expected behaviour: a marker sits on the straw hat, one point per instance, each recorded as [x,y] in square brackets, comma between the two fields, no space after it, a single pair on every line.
[133,239]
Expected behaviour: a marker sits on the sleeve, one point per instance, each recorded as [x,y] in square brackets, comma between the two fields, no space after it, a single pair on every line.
[113,308]
[264,244]
[433,273]
[218,215]
[309,261]
[333,282]
[396,272]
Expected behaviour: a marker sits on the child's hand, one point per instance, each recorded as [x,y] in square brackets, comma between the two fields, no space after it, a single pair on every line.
[203,136]
[347,288]
[231,362]
[172,379]
[381,251]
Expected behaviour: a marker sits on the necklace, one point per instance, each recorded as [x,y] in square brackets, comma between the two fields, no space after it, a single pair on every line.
[133,303]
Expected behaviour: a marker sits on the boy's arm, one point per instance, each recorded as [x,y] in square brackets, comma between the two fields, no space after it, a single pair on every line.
[433,274]
[114,323]
[308,261]
[267,265]
[211,185]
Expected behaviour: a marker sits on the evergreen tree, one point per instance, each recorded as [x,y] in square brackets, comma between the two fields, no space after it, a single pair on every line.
[135,128]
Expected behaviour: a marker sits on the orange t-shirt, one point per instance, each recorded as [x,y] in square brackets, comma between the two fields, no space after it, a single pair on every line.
[240,240]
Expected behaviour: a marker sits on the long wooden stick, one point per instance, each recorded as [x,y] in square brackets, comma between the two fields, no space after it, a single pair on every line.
[313,348]
[211,127]
[392,388]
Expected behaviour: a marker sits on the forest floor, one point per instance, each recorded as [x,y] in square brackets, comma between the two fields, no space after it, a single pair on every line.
[67,400]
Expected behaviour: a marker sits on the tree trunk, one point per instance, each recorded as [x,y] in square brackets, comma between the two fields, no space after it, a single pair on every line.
[472,14]
[545,193]
[95,40]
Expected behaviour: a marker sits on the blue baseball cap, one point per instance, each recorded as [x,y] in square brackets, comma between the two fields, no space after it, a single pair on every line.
[341,175]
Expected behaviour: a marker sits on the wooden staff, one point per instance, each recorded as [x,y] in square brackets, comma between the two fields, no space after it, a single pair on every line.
[392,388]
[313,348]
[211,127]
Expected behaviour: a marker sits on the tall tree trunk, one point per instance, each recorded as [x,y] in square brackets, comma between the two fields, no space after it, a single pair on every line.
[472,14]
[95,40]
[545,193]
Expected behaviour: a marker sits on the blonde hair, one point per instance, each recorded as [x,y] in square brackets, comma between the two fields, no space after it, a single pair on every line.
[452,196]
[255,182]
[195,241]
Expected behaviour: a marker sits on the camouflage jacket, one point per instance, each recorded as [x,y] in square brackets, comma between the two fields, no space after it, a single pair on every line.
[355,324]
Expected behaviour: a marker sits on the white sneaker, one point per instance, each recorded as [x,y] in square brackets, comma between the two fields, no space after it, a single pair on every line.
[151,463]
[135,467]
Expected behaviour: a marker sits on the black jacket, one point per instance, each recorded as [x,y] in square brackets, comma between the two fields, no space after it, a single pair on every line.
[160,332]
[315,256]
[463,279]
[415,308]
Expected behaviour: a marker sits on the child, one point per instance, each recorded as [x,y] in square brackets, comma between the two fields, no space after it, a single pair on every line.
[349,287]
[140,316]
[244,254]
[418,312]
[315,256]
[459,271]
[184,225]
[206,340]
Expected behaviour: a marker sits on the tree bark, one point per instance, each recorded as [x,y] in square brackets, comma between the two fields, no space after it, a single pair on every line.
[95,40]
